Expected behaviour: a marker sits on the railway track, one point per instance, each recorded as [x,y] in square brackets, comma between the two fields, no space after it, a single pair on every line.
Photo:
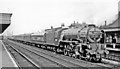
[22,60]
[57,61]
[112,56]
[35,55]
[71,60]
[115,56]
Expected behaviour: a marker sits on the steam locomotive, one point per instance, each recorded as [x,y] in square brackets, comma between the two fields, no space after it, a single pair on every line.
[78,40]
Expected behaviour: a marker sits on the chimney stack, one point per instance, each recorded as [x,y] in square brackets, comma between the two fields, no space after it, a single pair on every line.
[119,14]
[74,22]
[119,9]
[105,23]
[62,25]
[77,22]
[51,27]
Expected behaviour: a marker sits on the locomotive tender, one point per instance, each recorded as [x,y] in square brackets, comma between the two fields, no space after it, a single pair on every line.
[79,41]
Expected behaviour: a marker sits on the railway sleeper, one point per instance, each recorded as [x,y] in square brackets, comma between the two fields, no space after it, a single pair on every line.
[114,58]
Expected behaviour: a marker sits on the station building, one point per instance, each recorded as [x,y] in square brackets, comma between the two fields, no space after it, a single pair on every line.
[5,21]
[113,29]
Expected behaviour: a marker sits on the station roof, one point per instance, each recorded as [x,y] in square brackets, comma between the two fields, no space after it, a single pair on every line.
[115,26]
[5,21]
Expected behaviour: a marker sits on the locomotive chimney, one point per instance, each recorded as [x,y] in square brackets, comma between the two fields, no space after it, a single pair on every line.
[119,9]
[77,22]
[62,25]
[51,27]
[105,23]
[74,22]
[119,14]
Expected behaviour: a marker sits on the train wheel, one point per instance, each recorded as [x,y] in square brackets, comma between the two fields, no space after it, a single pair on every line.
[94,58]
[99,60]
[80,56]
[65,52]
[73,55]
[38,46]
[57,50]
[70,54]
[76,56]
[54,49]
[88,57]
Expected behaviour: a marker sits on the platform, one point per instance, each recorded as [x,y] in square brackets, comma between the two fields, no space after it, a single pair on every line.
[6,59]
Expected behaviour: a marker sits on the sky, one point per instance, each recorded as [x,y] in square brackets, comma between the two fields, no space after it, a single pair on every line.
[35,15]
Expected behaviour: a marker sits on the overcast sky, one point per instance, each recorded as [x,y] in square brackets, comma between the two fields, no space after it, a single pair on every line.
[36,15]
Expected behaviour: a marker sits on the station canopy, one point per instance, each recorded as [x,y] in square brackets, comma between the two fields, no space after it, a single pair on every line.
[5,21]
[115,26]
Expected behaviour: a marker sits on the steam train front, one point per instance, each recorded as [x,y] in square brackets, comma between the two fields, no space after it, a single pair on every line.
[94,35]
[94,42]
